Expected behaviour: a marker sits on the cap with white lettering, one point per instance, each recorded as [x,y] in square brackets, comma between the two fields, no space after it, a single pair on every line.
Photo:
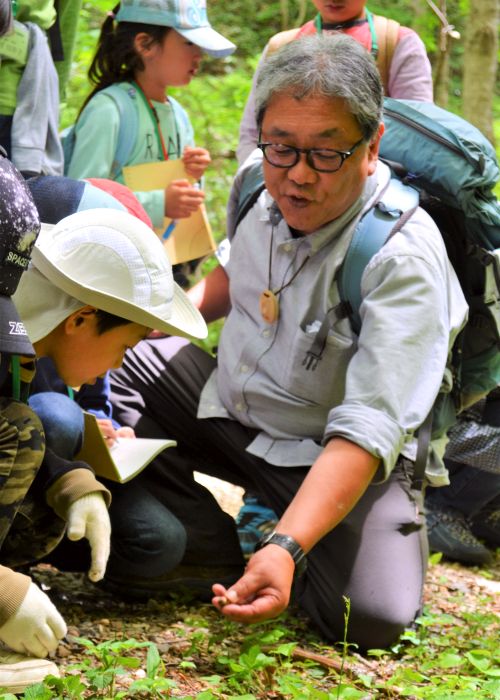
[19,228]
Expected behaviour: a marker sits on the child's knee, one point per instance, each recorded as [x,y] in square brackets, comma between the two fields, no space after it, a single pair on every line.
[151,551]
[62,420]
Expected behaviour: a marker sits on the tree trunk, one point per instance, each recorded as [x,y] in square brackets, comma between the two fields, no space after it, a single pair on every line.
[480,65]
[286,21]
[441,85]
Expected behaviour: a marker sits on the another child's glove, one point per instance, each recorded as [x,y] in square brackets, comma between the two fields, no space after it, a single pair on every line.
[88,517]
[36,627]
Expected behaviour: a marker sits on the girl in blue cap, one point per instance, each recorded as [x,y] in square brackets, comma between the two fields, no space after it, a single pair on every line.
[144,48]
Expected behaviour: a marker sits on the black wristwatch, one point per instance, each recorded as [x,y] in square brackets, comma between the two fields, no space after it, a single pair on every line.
[291,546]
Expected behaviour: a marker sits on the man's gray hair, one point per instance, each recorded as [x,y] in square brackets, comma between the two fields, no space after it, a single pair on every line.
[331,66]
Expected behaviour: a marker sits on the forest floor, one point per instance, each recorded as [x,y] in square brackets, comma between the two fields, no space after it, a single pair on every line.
[196,644]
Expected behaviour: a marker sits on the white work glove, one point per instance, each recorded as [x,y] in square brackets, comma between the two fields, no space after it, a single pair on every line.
[88,517]
[36,627]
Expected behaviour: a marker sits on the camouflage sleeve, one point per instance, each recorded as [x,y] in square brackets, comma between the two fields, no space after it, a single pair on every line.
[72,486]
[54,467]
[13,588]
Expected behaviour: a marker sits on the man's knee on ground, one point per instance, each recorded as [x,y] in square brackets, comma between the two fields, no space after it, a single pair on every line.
[369,626]
[380,628]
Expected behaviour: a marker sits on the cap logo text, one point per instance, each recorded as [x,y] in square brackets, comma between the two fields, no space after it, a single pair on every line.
[17,328]
[17,260]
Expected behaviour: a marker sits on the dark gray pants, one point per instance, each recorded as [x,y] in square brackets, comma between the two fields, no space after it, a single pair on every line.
[376,556]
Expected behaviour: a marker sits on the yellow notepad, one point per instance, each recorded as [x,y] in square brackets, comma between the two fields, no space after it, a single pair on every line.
[192,237]
[126,458]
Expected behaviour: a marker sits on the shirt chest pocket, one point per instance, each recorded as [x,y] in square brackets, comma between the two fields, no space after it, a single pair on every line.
[321,382]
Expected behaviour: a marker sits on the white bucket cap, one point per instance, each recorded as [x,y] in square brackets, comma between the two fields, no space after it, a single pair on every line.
[109,259]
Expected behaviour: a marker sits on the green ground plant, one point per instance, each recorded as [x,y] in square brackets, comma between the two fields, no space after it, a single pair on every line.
[444,656]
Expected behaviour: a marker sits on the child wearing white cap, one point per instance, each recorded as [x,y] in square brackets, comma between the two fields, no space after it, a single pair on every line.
[145,47]
[97,283]
[24,608]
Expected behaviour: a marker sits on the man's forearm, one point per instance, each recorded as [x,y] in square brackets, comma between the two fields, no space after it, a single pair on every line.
[333,486]
[211,295]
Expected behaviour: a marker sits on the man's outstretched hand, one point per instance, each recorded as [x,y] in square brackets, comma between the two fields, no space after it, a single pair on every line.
[263,592]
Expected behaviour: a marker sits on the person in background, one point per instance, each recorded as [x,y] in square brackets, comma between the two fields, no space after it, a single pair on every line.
[146,47]
[399,51]
[330,450]
[29,85]
[467,511]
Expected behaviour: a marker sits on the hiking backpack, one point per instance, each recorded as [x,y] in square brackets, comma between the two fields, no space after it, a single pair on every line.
[127,134]
[445,165]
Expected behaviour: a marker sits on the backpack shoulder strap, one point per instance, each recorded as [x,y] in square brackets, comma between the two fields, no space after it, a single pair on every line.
[280,39]
[395,206]
[251,187]
[184,126]
[125,101]
[387,32]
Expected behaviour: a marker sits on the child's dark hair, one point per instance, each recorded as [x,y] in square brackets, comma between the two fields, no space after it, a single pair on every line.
[107,321]
[116,60]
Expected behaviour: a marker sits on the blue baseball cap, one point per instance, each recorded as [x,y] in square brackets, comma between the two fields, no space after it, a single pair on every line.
[187,17]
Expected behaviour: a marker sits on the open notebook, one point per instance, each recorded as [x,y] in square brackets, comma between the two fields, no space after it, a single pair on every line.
[126,458]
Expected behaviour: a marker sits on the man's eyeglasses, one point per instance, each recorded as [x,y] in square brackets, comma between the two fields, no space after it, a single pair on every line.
[324,160]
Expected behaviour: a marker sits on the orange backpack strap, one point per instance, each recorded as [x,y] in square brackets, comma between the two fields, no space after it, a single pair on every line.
[279,40]
[387,31]
[308,28]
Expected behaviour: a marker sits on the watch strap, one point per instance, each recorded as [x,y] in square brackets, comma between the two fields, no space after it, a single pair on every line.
[290,544]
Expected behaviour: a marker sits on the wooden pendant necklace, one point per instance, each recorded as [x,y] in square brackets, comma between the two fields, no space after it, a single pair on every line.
[269,299]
